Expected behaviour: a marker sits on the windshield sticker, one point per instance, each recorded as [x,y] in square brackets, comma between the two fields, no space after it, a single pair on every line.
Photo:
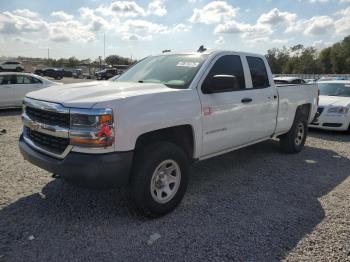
[188,64]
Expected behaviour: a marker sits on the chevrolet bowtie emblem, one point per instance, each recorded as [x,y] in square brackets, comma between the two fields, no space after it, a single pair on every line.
[33,126]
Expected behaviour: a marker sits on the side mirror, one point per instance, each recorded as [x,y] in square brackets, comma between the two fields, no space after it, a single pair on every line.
[220,83]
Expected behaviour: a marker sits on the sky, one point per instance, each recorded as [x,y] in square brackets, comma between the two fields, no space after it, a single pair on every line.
[140,28]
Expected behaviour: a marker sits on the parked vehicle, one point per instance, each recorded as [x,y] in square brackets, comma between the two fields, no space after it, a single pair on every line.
[333,111]
[78,73]
[55,73]
[106,74]
[11,66]
[14,86]
[311,80]
[289,80]
[145,128]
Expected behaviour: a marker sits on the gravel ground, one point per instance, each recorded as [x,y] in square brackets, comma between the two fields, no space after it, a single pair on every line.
[255,204]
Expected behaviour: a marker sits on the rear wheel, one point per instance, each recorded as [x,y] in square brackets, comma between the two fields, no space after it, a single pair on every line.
[159,179]
[294,140]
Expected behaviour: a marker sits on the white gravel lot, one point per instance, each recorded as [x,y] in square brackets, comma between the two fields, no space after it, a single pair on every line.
[255,204]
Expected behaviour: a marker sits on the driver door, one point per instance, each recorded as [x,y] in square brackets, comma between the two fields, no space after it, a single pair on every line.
[226,113]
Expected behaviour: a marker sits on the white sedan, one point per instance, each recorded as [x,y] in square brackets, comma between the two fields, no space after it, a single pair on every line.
[14,86]
[334,106]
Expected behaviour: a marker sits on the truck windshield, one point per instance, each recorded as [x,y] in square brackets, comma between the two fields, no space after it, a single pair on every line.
[175,71]
[334,89]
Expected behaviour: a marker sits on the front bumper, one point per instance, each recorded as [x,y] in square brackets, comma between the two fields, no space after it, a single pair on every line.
[331,122]
[87,170]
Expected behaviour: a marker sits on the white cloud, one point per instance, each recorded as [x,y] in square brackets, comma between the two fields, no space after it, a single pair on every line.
[275,17]
[319,44]
[214,12]
[317,25]
[25,13]
[181,28]
[132,9]
[62,15]
[342,26]
[95,22]
[20,21]
[247,30]
[220,40]
[157,8]
[136,37]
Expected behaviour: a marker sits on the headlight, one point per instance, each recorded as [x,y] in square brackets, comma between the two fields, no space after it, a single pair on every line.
[338,110]
[92,128]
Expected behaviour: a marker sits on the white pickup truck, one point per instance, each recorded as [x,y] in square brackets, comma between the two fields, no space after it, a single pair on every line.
[143,129]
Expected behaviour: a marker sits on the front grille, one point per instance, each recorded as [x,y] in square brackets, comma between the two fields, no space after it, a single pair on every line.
[48,117]
[320,110]
[53,144]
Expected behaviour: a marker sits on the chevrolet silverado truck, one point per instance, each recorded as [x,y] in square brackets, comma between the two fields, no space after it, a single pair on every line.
[143,129]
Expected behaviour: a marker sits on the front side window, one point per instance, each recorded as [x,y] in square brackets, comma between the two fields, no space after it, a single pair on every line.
[226,75]
[176,71]
[35,80]
[334,89]
[258,72]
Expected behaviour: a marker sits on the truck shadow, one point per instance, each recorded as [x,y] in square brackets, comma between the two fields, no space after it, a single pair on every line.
[253,204]
[10,112]
[337,136]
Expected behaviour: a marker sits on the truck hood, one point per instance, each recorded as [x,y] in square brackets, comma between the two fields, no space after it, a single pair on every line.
[87,94]
[327,101]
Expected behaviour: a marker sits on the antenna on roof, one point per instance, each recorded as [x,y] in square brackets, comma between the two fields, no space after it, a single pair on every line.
[201,49]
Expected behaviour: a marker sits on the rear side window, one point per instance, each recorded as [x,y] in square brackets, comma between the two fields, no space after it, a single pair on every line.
[258,72]
[8,80]
[229,65]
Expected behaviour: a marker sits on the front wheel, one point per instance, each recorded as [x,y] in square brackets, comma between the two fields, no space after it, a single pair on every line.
[159,178]
[293,141]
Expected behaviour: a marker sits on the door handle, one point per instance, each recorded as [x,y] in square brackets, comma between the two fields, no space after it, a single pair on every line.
[246,100]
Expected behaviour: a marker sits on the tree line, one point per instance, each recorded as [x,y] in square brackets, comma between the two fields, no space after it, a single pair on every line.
[299,59]
[73,62]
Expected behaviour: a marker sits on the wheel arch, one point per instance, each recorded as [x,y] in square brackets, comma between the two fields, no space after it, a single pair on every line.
[181,135]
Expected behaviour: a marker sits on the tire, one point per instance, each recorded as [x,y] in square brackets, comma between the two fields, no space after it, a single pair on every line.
[293,141]
[348,131]
[150,191]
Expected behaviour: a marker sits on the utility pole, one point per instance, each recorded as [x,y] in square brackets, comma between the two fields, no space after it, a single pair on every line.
[48,53]
[104,48]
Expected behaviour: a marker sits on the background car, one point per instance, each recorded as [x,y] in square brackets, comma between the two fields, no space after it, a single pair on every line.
[11,66]
[14,86]
[106,74]
[289,80]
[334,106]
[56,73]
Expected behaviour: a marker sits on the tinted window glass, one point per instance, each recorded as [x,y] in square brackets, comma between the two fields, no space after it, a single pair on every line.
[8,80]
[334,89]
[258,72]
[35,80]
[230,65]
[22,79]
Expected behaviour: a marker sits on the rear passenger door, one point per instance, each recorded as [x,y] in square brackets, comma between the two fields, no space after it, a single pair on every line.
[7,83]
[264,105]
[226,112]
